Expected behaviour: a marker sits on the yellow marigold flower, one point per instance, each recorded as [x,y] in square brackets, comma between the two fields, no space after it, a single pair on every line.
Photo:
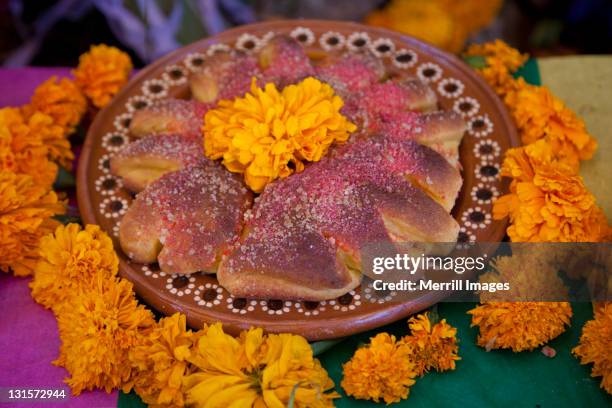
[62,100]
[431,346]
[519,325]
[255,370]
[539,114]
[26,209]
[70,260]
[381,370]
[161,363]
[97,328]
[596,345]
[102,72]
[268,134]
[22,145]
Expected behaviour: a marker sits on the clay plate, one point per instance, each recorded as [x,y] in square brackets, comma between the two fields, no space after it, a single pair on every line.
[103,201]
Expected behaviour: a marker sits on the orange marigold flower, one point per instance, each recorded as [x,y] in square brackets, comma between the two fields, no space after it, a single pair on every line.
[102,72]
[539,114]
[519,325]
[595,345]
[473,15]
[70,260]
[53,136]
[428,21]
[255,370]
[26,209]
[97,328]
[381,370]
[431,346]
[501,62]
[531,275]
[548,202]
[161,363]
[266,131]
[22,146]
[62,100]
[500,51]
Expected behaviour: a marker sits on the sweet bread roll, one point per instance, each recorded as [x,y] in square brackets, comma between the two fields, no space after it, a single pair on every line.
[303,265]
[349,72]
[186,219]
[323,216]
[283,61]
[169,116]
[147,159]
[442,130]
[375,156]
[224,76]
[370,106]
[419,96]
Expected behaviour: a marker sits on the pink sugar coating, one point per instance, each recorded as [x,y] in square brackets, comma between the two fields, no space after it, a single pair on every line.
[183,117]
[187,150]
[349,74]
[290,65]
[337,198]
[234,78]
[398,125]
[201,210]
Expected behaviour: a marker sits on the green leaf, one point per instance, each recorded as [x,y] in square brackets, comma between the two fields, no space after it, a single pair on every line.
[320,347]
[64,180]
[291,402]
[476,61]
[68,219]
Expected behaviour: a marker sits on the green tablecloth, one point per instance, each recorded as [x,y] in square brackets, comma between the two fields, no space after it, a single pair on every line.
[501,378]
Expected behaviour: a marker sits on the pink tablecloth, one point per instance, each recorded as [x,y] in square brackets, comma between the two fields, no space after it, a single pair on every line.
[28,333]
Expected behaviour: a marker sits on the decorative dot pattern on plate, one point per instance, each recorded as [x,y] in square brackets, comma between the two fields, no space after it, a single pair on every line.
[108,185]
[405,59]
[303,35]
[114,141]
[194,61]
[358,41]
[487,149]
[382,47]
[466,106]
[217,48]
[475,218]
[429,72]
[480,126]
[208,295]
[484,194]
[450,87]
[155,88]
[113,207]
[331,41]
[138,102]
[122,122]
[241,305]
[487,171]
[248,43]
[175,75]
[378,296]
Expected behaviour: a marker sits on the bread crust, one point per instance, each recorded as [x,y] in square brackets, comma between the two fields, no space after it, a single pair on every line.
[186,219]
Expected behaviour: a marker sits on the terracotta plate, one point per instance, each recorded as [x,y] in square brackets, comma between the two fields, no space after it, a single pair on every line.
[103,201]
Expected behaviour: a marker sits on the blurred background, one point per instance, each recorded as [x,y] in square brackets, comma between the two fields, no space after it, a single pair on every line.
[56,32]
